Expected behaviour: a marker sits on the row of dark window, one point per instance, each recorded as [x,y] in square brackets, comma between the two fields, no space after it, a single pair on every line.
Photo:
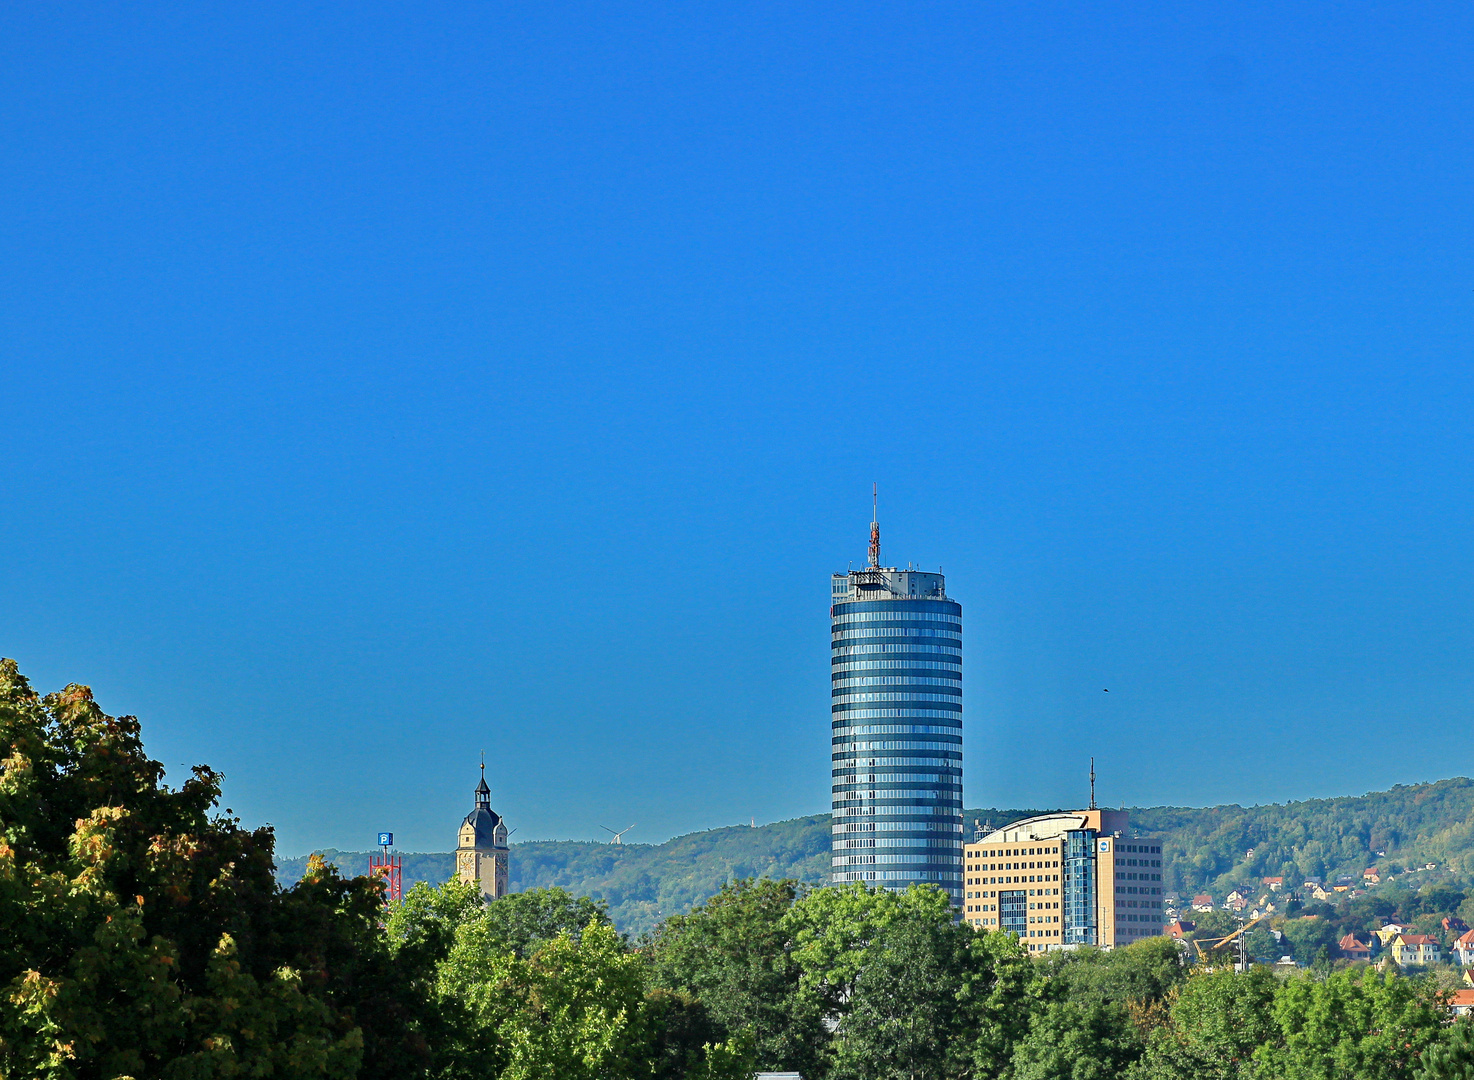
[848,607]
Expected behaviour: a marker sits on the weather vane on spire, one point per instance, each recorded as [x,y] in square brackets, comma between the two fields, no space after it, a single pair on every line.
[875,527]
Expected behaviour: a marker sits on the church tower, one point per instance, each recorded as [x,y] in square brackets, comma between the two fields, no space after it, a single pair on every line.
[482,855]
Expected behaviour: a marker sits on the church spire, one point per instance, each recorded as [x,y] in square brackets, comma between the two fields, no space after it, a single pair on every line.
[483,793]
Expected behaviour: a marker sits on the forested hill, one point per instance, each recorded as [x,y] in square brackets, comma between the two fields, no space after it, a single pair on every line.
[643,883]
[1204,849]
[1319,838]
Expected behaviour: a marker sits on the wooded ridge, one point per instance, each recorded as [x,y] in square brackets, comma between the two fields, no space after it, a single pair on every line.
[1205,850]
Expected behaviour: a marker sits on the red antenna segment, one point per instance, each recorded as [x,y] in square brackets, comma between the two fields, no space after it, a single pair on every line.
[875,528]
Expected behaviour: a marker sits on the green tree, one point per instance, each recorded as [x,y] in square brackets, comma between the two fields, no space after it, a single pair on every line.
[1077,1039]
[1304,938]
[142,934]
[1217,1019]
[831,929]
[734,954]
[1351,1026]
[575,1009]
[1116,998]
[523,922]
[679,1033]
[1438,899]
[426,919]
[1452,1057]
[1144,972]
[853,956]
[1261,945]
[1000,993]
[907,1017]
[571,1010]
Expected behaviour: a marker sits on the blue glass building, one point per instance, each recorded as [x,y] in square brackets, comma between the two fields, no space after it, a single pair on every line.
[896,714]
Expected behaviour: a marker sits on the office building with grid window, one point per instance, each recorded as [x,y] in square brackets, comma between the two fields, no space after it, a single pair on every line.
[1064,880]
[896,728]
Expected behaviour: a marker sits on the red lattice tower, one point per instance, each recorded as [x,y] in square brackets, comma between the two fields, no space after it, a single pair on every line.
[389,868]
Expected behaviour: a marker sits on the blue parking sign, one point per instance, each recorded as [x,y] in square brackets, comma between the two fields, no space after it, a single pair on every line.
[386,839]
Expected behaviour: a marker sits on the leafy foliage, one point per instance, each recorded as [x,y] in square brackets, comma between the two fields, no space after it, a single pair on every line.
[146,936]
[734,953]
[1359,1025]
[1452,1058]
[909,1013]
[1217,1019]
[140,935]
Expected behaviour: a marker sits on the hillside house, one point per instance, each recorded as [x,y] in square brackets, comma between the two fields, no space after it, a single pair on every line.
[1371,876]
[1236,902]
[1202,902]
[1463,1003]
[1320,892]
[1461,952]
[1274,884]
[1415,950]
[1391,930]
[1180,929]
[1452,924]
[1353,948]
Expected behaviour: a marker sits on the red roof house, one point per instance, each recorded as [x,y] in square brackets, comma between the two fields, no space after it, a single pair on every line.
[1415,949]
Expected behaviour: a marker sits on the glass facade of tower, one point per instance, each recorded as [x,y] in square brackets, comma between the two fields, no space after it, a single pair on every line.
[897,730]
[1080,876]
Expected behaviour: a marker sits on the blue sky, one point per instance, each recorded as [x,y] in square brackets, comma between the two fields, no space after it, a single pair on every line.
[389,382]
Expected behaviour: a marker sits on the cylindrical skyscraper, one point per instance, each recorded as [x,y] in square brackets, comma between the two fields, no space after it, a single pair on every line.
[897,728]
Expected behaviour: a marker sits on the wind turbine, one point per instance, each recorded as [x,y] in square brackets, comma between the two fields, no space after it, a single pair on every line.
[617,835]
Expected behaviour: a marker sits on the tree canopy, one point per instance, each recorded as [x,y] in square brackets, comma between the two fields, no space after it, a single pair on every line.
[145,936]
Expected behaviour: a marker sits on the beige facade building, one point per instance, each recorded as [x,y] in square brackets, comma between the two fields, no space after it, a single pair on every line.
[482,855]
[1065,880]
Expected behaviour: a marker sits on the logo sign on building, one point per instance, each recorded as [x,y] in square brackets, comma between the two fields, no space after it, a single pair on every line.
[386,839]
[1105,845]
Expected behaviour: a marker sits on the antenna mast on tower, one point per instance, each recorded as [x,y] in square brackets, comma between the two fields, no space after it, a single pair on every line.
[1092,783]
[875,527]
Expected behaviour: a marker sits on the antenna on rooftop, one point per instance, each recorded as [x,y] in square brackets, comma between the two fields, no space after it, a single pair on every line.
[875,526]
[1092,783]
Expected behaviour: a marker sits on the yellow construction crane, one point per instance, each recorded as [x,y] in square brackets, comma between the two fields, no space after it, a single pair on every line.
[1218,943]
